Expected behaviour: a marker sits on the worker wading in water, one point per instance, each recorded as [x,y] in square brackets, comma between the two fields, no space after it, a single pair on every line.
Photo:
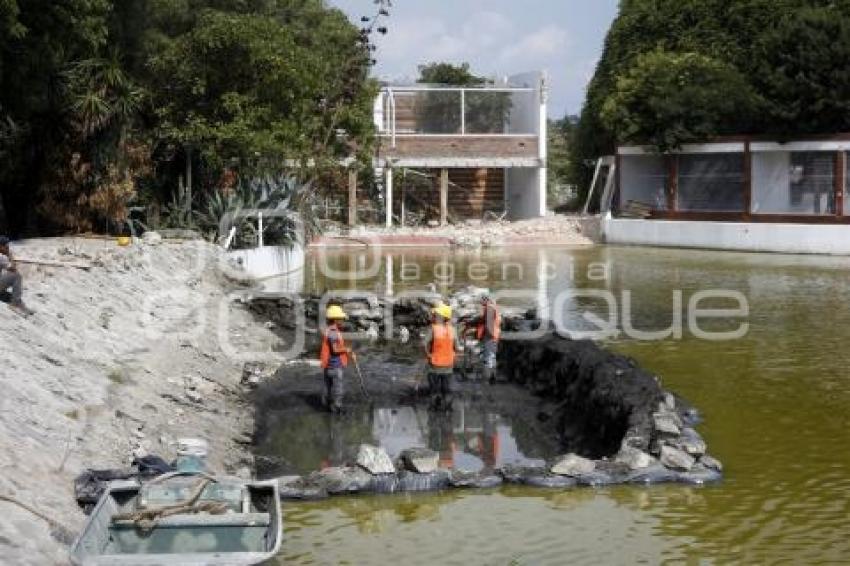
[442,345]
[488,332]
[334,359]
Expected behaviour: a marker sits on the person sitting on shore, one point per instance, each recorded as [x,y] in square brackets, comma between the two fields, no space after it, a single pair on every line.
[10,278]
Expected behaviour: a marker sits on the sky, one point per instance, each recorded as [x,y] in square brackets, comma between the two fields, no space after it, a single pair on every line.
[497,38]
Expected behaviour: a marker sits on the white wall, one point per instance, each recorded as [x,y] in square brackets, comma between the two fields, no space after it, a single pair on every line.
[734,236]
[526,192]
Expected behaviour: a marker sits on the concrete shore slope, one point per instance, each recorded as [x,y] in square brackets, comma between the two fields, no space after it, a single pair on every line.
[121,357]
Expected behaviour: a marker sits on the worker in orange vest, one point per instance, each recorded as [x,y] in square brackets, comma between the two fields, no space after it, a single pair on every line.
[334,358]
[488,332]
[442,345]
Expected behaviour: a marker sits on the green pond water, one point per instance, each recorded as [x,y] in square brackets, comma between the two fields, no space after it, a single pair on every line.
[776,405]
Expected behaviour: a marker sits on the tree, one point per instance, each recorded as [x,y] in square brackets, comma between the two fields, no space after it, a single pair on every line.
[561,133]
[804,73]
[790,53]
[45,39]
[104,101]
[669,99]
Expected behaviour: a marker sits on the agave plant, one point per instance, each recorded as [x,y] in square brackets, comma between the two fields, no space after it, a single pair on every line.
[281,199]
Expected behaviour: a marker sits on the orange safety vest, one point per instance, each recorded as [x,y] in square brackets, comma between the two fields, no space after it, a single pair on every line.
[325,353]
[442,345]
[496,331]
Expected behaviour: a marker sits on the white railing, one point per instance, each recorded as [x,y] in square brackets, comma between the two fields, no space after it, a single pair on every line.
[460,111]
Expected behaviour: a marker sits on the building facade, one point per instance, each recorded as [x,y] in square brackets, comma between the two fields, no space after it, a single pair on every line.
[743,194]
[470,150]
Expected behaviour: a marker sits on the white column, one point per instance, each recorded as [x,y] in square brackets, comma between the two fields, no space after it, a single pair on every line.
[389,196]
[260,229]
[543,133]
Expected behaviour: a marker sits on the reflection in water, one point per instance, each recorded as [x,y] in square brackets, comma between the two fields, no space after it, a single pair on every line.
[472,437]
[776,414]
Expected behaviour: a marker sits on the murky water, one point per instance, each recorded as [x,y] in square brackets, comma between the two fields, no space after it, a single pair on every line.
[775,402]
[469,438]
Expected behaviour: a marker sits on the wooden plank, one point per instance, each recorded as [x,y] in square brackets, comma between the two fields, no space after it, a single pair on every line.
[469,146]
[44,263]
[754,218]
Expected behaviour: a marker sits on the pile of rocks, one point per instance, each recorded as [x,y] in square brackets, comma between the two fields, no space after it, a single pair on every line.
[372,314]
[418,470]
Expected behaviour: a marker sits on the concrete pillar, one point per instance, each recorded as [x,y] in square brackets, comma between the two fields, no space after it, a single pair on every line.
[389,196]
[444,197]
[352,198]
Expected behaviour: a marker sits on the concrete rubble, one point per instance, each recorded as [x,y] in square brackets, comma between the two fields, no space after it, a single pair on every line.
[474,234]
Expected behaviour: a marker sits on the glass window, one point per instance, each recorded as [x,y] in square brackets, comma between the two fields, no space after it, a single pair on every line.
[711,182]
[847,184]
[794,182]
[643,181]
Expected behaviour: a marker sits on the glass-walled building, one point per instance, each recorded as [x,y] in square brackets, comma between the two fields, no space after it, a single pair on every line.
[757,181]
[745,194]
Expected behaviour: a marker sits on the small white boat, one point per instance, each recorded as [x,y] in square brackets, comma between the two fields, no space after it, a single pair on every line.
[182,518]
[261,262]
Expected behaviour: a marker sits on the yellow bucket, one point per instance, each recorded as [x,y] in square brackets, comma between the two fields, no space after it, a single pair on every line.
[124,241]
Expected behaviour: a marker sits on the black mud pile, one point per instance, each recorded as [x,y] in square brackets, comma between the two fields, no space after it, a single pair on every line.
[602,397]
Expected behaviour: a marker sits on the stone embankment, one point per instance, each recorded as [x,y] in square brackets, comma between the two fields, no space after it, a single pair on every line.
[121,358]
[551,230]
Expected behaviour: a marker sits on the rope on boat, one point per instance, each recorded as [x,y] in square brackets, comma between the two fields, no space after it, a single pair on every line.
[146,520]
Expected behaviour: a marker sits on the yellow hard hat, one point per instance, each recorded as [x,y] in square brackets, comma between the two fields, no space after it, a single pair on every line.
[443,310]
[335,312]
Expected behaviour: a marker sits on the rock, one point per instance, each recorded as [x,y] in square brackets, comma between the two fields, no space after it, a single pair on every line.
[711,463]
[700,475]
[676,459]
[342,480]
[375,460]
[297,488]
[194,396]
[669,402]
[634,458]
[411,482]
[573,465]
[652,475]
[420,460]
[690,441]
[152,238]
[461,479]
[668,423]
